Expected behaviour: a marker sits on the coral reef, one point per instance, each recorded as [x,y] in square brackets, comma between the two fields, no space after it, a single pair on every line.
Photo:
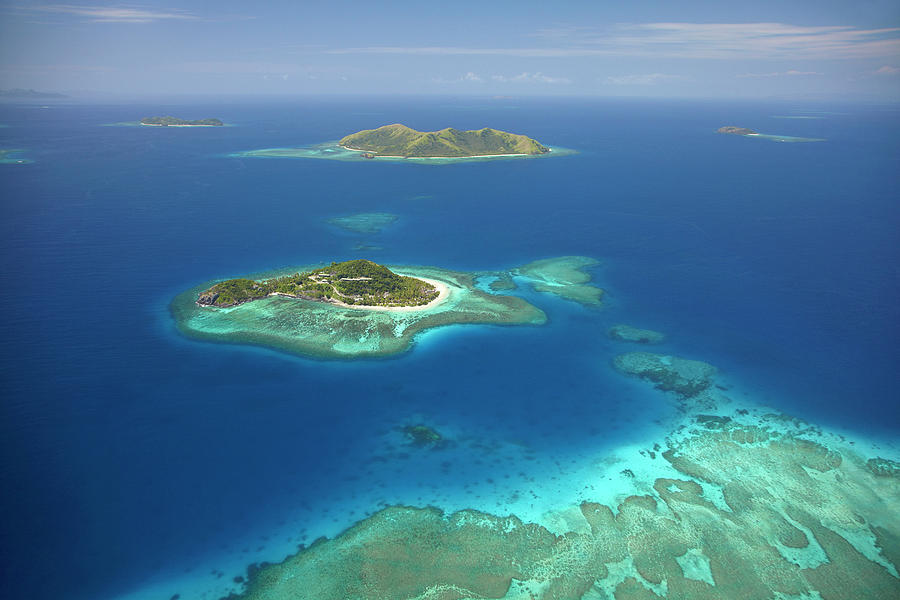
[565,276]
[423,436]
[883,467]
[627,333]
[686,378]
[364,223]
[749,513]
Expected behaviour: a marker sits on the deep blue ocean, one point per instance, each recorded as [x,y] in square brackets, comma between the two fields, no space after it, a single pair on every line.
[130,452]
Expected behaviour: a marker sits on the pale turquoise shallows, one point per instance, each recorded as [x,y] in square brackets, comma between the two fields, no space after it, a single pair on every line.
[328,331]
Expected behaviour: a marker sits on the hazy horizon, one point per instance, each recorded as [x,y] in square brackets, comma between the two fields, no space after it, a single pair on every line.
[804,50]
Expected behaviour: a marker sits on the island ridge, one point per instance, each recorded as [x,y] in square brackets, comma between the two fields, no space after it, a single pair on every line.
[401,141]
[176,122]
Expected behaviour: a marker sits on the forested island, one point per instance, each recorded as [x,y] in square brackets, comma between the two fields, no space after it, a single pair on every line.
[176,122]
[736,130]
[402,141]
[353,283]
[359,309]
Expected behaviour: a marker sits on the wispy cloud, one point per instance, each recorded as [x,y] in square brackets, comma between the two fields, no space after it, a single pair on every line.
[887,70]
[451,51]
[789,73]
[113,14]
[685,40]
[648,79]
[526,77]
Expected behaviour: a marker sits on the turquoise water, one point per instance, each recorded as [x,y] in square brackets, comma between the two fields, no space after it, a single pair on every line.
[138,456]
[334,151]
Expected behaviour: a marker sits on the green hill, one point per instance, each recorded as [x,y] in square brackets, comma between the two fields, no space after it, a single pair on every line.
[400,140]
[361,282]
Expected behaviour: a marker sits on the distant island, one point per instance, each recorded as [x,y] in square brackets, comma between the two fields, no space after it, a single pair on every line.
[175,122]
[401,141]
[22,93]
[736,130]
[350,283]
[743,131]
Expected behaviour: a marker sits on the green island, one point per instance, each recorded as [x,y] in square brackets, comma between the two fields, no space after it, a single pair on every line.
[359,309]
[353,282]
[324,329]
[731,503]
[176,122]
[398,143]
[401,141]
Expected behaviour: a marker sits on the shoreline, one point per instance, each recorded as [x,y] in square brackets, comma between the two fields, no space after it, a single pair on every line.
[442,288]
[420,157]
[164,125]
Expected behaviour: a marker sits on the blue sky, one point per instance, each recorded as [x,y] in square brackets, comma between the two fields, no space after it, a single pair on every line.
[808,49]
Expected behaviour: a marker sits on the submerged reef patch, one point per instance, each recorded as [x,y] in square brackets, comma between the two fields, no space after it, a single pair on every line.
[883,467]
[365,223]
[627,333]
[329,331]
[423,436]
[565,276]
[799,520]
[686,378]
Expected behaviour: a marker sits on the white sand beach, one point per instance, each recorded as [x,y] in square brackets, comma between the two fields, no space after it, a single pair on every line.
[443,292]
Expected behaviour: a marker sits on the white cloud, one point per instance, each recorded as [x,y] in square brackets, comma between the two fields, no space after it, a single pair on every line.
[649,79]
[113,14]
[887,70]
[526,77]
[686,40]
[790,73]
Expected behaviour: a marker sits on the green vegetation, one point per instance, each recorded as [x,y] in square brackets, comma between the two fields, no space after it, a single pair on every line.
[354,282]
[400,140]
[166,121]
